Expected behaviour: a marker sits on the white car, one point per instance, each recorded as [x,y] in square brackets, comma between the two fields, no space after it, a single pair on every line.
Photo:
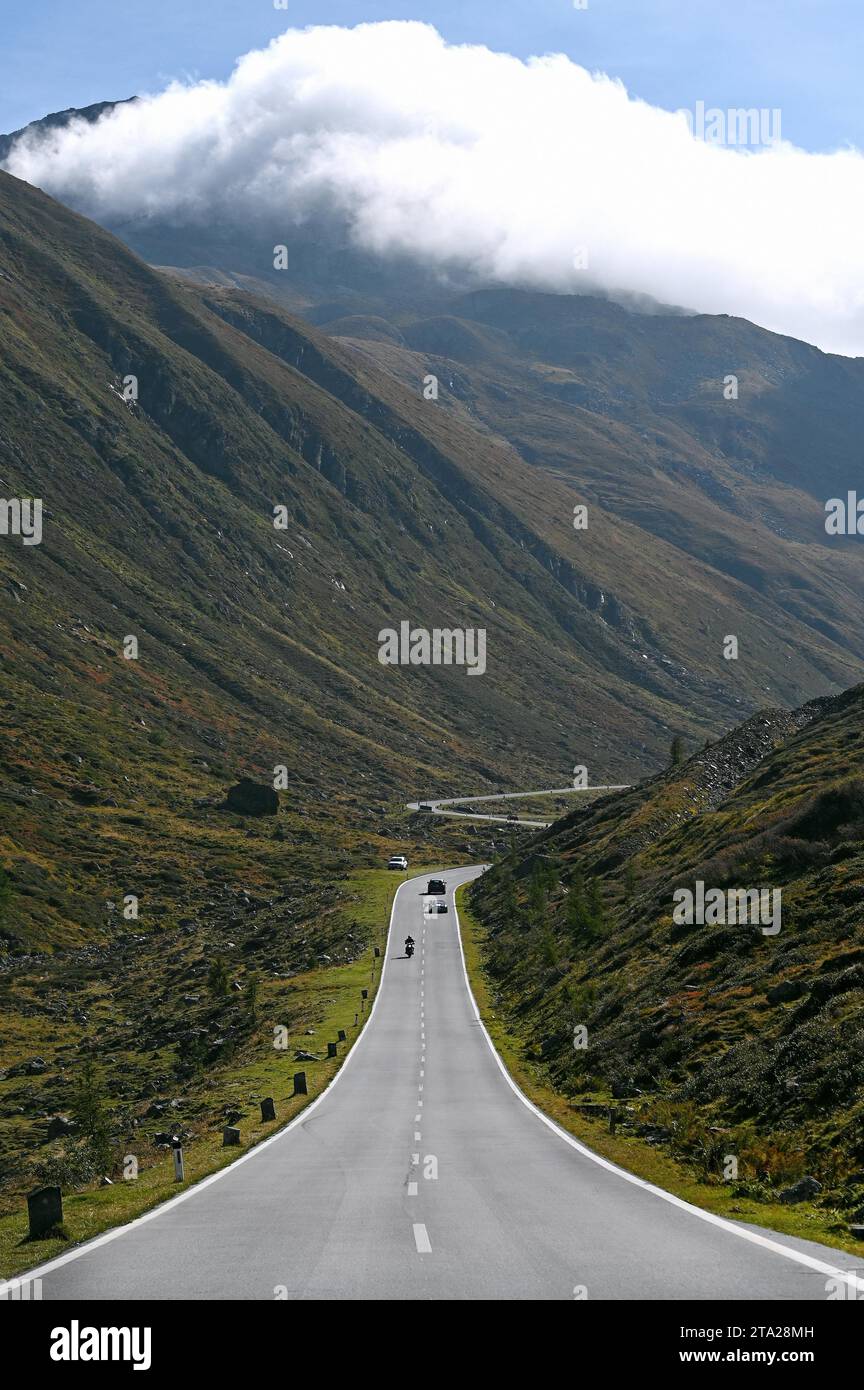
[397,861]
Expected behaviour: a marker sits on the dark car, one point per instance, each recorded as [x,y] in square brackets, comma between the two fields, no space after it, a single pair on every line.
[436,885]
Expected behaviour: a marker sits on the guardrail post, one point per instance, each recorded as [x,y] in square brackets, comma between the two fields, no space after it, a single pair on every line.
[268,1109]
[300,1083]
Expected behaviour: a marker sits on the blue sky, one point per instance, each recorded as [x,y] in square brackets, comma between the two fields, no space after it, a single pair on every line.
[802,56]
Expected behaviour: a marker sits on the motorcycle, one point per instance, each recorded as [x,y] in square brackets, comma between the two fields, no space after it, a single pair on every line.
[409,949]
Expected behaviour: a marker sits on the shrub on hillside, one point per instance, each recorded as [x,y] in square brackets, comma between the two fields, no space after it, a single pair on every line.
[67,1168]
[837,812]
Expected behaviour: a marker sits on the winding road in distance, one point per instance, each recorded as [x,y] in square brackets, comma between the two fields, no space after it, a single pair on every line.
[422,1173]
[435,805]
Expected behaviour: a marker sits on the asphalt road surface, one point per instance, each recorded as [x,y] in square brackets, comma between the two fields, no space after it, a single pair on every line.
[422,1174]
[436,806]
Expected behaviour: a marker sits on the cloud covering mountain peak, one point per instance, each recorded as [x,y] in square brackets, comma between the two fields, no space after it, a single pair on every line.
[535,173]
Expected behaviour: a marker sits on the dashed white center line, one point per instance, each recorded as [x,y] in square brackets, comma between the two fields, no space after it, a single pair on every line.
[412,1189]
[417,1136]
[421,1239]
[415,1159]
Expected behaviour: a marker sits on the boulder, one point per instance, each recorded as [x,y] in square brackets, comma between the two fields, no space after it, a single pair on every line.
[250,798]
[786,990]
[800,1191]
[60,1125]
[34,1067]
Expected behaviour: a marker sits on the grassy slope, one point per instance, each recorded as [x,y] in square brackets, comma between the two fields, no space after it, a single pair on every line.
[626,1149]
[681,1028]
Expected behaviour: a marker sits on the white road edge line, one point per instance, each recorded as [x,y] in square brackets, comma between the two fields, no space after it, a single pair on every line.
[421,1239]
[799,1257]
[107,1236]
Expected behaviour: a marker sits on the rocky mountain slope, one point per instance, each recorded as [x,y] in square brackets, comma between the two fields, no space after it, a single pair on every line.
[718,1038]
[628,407]
[258,646]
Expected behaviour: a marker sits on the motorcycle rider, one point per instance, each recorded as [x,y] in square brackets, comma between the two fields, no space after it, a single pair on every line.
[409,942]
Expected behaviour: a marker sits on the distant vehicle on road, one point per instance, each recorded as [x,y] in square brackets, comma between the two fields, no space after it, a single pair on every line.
[437,885]
[440,907]
[397,861]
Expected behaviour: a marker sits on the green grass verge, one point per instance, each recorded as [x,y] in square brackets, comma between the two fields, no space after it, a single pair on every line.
[804,1220]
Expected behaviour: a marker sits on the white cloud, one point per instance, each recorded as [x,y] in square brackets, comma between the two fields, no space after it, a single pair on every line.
[464,156]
